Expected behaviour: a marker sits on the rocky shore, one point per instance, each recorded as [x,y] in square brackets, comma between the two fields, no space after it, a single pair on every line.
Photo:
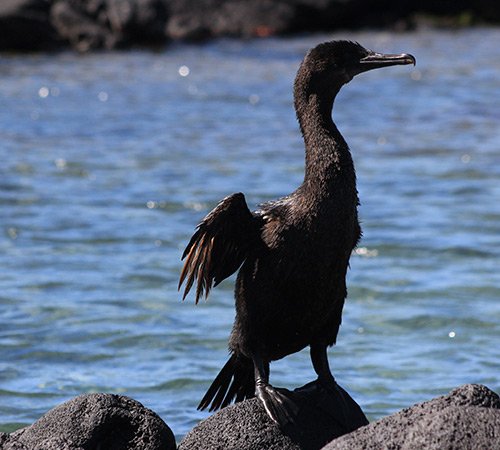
[466,418]
[85,25]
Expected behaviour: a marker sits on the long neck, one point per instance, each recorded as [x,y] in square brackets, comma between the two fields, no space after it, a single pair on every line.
[328,160]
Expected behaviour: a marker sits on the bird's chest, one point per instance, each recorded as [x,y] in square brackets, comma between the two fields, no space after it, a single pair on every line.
[317,231]
[308,258]
[307,250]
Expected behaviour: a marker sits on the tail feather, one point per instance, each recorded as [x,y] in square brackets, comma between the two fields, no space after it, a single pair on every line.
[235,382]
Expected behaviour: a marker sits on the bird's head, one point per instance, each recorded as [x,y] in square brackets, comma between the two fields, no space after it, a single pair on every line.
[337,62]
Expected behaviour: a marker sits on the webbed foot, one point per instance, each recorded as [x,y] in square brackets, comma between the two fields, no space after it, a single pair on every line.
[328,384]
[335,402]
[278,403]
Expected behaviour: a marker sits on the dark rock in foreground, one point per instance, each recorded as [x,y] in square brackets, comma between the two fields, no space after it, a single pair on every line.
[323,415]
[467,418]
[97,421]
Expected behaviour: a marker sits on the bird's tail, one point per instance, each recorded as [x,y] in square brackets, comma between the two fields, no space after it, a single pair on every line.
[235,382]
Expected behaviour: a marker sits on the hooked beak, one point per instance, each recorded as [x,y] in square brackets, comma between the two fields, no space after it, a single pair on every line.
[378,60]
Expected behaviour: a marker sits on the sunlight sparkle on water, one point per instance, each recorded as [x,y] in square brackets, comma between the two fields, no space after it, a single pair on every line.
[103,96]
[43,92]
[184,71]
[366,252]
[60,163]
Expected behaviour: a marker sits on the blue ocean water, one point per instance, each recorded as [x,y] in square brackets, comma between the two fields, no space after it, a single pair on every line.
[109,160]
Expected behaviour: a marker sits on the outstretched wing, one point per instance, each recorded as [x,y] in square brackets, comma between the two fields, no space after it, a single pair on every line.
[219,246]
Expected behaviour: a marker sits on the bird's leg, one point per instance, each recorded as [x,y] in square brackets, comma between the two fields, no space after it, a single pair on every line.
[319,359]
[326,380]
[261,370]
[338,402]
[279,407]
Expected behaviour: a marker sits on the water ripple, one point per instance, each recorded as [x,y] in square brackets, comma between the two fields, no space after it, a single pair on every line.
[109,162]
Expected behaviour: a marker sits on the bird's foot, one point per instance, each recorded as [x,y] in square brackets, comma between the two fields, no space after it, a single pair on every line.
[337,403]
[278,403]
[333,390]
[328,383]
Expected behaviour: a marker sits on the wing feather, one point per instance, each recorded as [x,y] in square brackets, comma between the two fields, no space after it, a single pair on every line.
[219,246]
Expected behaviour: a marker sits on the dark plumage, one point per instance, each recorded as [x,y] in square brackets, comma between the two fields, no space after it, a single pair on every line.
[293,253]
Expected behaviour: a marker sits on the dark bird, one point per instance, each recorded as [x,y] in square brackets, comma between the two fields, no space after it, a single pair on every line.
[292,253]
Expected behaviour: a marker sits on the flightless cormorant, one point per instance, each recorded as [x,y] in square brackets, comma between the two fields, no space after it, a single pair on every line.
[293,253]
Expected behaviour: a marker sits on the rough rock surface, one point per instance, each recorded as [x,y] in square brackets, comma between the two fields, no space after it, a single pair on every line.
[467,418]
[90,24]
[323,415]
[240,18]
[94,421]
